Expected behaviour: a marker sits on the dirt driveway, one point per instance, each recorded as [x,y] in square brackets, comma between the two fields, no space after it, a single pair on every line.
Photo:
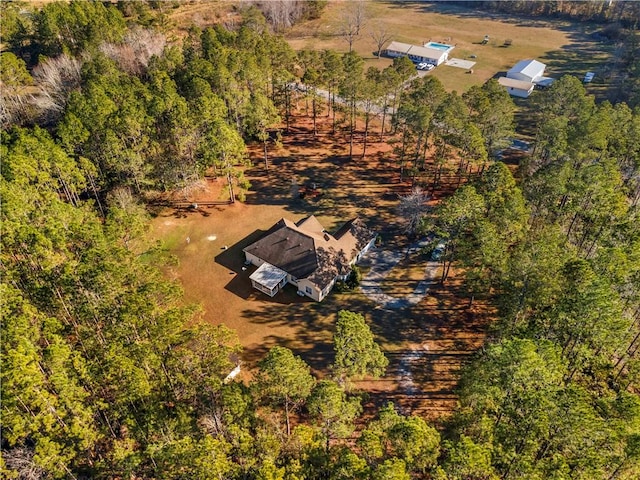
[381,262]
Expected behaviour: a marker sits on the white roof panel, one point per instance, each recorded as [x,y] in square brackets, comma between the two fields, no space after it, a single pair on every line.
[544,81]
[531,68]
[268,275]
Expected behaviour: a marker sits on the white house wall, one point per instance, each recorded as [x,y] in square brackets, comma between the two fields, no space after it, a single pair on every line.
[394,54]
[516,92]
[419,58]
[314,293]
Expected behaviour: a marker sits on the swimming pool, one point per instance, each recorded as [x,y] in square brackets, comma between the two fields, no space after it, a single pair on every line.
[439,46]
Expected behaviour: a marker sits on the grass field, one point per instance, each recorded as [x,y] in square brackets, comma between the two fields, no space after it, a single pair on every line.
[566,47]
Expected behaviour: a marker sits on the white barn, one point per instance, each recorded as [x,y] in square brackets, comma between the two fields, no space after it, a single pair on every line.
[527,71]
[517,88]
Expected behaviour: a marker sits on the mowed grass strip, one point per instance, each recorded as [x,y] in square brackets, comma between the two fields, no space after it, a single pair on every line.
[564,46]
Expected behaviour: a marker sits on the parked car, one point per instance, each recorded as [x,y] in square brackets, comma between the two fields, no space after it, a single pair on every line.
[437,252]
[425,66]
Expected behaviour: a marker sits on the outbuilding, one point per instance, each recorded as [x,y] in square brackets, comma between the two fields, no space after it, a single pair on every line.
[527,71]
[517,88]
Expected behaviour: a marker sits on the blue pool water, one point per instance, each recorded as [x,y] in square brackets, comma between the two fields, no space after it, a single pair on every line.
[439,46]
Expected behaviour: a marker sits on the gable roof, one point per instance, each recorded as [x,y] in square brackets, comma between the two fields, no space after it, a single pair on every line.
[310,224]
[530,68]
[399,47]
[287,248]
[420,51]
[426,52]
[305,250]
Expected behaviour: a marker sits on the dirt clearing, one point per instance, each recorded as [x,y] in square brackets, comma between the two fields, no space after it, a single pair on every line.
[426,344]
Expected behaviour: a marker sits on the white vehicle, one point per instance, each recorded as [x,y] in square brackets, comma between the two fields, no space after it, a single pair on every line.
[425,66]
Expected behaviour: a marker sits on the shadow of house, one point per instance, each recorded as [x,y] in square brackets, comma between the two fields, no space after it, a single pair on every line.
[232,257]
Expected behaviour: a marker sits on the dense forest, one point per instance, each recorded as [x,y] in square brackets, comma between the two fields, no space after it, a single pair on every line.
[107,374]
[593,10]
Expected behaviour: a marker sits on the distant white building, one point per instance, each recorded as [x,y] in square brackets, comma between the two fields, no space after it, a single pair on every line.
[524,76]
[527,71]
[431,52]
[517,88]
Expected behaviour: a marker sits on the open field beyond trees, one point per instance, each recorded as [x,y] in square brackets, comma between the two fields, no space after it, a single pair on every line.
[495,332]
[427,344]
[566,47]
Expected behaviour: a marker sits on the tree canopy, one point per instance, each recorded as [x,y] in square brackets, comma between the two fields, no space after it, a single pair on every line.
[108,372]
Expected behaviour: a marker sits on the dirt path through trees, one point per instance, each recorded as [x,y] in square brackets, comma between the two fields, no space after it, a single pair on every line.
[382,261]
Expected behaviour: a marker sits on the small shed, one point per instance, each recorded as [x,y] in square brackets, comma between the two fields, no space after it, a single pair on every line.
[544,82]
[527,71]
[517,88]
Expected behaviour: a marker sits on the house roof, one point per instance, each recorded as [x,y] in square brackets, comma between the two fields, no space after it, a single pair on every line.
[268,275]
[426,52]
[399,47]
[417,50]
[286,247]
[305,250]
[530,68]
[310,224]
[544,81]
[519,84]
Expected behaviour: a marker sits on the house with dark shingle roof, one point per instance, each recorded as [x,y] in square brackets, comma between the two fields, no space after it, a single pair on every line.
[306,255]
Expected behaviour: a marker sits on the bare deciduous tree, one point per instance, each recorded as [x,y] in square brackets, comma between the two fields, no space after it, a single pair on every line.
[282,14]
[412,210]
[381,35]
[137,48]
[15,107]
[353,22]
[57,78]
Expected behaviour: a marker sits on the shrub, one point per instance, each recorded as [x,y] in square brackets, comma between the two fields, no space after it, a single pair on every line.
[352,281]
